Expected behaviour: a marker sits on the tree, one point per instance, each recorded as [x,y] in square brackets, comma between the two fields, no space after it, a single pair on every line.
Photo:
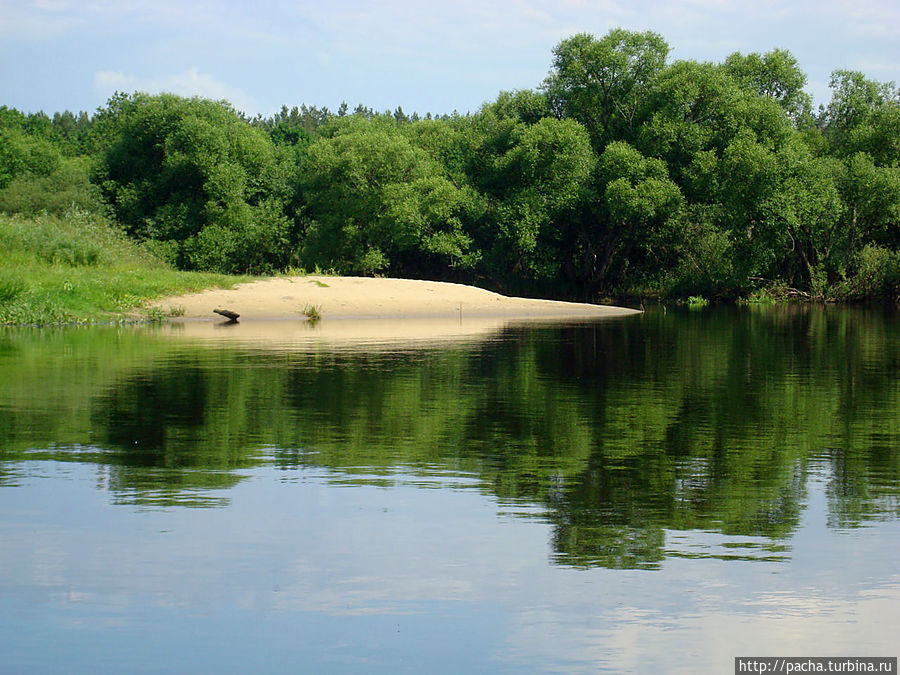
[775,75]
[538,182]
[533,178]
[522,105]
[603,83]
[781,209]
[377,203]
[879,137]
[444,143]
[804,202]
[871,197]
[67,186]
[636,194]
[172,167]
[855,102]
[698,108]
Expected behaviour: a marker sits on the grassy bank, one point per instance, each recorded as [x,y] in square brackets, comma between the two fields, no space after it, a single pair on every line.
[78,268]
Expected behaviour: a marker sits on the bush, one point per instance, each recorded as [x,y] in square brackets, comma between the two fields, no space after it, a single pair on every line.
[259,244]
[21,154]
[75,239]
[878,273]
[702,256]
[697,302]
[67,187]
[164,251]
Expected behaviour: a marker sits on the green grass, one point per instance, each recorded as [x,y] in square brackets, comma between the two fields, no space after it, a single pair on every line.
[313,313]
[79,269]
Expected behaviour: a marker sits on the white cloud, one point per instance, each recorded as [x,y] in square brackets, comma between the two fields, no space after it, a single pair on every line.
[187,83]
[423,54]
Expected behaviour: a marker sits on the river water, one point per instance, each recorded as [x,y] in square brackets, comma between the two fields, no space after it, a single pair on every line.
[664,491]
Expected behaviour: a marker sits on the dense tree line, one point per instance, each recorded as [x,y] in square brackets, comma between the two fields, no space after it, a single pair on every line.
[624,172]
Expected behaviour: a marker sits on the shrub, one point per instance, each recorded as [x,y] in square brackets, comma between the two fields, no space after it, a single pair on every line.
[877,274]
[697,302]
[701,257]
[21,154]
[67,187]
[259,243]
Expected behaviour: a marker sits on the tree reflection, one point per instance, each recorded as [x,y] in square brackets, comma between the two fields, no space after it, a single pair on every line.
[621,432]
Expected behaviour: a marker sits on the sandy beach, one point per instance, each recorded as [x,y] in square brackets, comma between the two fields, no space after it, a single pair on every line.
[364,311]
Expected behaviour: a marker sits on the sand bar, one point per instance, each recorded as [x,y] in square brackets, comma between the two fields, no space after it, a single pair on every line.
[364,312]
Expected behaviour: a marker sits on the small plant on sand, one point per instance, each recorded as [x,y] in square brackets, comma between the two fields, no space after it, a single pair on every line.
[155,315]
[158,314]
[328,272]
[312,312]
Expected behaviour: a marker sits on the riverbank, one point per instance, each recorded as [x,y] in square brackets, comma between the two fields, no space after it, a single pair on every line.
[359,312]
[80,269]
[333,298]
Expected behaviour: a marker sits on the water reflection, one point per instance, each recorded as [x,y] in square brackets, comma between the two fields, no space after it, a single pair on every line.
[702,485]
[619,431]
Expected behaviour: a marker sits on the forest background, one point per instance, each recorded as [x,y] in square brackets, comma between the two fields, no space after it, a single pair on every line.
[624,174]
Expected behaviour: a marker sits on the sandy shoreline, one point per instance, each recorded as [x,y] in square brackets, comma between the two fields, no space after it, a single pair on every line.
[364,297]
[364,311]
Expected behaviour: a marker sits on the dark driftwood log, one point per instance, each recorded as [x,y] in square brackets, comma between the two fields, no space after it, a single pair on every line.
[228,314]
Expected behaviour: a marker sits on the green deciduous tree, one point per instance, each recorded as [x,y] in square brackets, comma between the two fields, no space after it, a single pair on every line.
[67,187]
[523,105]
[803,201]
[547,171]
[377,203]
[857,108]
[699,108]
[879,137]
[172,167]
[603,82]
[781,207]
[25,154]
[871,198]
[636,195]
[776,75]
[534,178]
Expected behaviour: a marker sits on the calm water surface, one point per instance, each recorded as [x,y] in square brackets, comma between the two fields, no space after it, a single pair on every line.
[663,491]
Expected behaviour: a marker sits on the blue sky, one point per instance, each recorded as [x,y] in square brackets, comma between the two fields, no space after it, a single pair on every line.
[425,56]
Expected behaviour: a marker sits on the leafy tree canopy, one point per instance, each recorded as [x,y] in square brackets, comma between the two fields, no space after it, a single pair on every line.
[776,75]
[603,83]
[172,167]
